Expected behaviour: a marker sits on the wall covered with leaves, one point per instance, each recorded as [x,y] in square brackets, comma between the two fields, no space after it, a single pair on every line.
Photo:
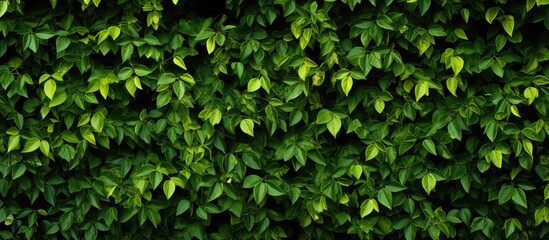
[270,119]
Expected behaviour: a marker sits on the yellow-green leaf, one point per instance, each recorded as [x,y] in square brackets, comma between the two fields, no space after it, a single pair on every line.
[169,188]
[508,23]
[428,181]
[347,84]
[49,88]
[247,126]
[13,142]
[254,84]
[31,145]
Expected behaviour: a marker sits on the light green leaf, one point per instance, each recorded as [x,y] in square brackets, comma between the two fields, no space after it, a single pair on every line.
[31,145]
[166,78]
[324,116]
[508,23]
[45,147]
[163,99]
[177,60]
[247,126]
[429,145]
[188,78]
[58,99]
[428,181]
[114,32]
[531,93]
[491,14]
[367,207]
[210,44]
[452,84]
[179,89]
[97,121]
[3,7]
[49,88]
[371,151]
[254,84]
[13,142]
[169,188]
[379,105]
[334,125]
[347,84]
[496,158]
[421,90]
[303,71]
[457,64]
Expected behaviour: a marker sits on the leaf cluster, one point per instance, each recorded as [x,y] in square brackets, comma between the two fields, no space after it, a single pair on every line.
[272,119]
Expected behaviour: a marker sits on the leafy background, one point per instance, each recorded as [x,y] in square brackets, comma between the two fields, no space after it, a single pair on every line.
[270,119]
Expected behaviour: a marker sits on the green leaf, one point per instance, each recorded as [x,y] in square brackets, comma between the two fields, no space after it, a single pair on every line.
[31,145]
[429,145]
[371,151]
[531,93]
[334,126]
[247,126]
[324,116]
[13,142]
[347,84]
[188,78]
[114,32]
[251,181]
[491,130]
[505,194]
[179,89]
[182,207]
[457,64]
[385,22]
[58,100]
[179,62]
[169,188]
[496,157]
[452,84]
[254,84]
[259,192]
[3,7]
[424,6]
[379,105]
[538,2]
[367,207]
[215,192]
[519,197]
[49,88]
[61,43]
[491,14]
[166,78]
[163,99]
[18,170]
[356,171]
[385,197]
[428,181]
[45,147]
[508,23]
[210,44]
[98,121]
[421,90]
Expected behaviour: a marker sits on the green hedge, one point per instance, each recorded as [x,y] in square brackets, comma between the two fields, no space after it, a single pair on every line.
[270,119]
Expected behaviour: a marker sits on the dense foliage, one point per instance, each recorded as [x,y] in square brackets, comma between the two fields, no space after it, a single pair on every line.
[269,119]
